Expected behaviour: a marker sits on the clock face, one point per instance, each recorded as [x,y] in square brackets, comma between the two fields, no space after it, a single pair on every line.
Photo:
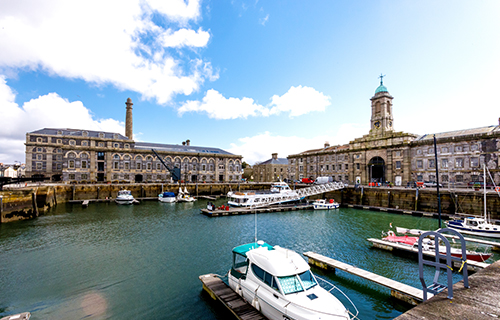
[377,124]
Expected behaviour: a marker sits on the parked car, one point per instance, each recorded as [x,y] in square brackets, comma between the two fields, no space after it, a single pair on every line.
[307,180]
[431,184]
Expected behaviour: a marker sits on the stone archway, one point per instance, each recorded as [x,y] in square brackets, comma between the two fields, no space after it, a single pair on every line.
[376,170]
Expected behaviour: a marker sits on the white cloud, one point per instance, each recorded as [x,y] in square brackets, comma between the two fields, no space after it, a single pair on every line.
[264,20]
[106,42]
[296,101]
[260,147]
[47,111]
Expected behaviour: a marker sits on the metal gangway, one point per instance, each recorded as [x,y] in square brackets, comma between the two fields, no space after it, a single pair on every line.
[301,194]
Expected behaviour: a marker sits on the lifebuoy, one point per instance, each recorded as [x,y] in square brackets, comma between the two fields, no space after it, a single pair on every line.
[391,233]
[497,189]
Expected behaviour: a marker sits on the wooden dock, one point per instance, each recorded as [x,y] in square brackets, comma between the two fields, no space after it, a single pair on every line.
[239,211]
[399,290]
[391,246]
[218,290]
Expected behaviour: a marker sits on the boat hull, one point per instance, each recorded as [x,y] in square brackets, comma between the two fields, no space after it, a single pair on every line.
[475,232]
[124,201]
[167,199]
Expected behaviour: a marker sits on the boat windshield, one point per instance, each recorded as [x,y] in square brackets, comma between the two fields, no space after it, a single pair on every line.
[297,283]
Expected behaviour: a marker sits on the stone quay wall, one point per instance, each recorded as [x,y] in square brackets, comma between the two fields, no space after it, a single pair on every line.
[30,202]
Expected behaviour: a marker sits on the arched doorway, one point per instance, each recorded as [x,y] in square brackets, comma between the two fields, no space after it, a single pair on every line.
[376,170]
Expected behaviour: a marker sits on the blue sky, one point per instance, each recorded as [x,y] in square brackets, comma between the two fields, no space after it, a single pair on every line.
[250,77]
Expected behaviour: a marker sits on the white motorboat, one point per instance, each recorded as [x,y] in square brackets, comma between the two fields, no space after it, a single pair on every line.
[279,283]
[124,197]
[322,204]
[168,197]
[184,196]
[280,192]
[474,225]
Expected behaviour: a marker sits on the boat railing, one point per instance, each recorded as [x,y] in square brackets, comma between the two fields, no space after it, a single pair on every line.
[333,287]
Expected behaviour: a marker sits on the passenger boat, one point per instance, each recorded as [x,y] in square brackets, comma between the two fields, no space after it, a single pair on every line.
[476,226]
[279,283]
[167,197]
[124,197]
[321,204]
[429,246]
[184,196]
[280,192]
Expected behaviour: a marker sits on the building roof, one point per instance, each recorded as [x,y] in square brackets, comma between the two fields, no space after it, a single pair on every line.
[79,133]
[275,161]
[179,148]
[458,133]
[381,88]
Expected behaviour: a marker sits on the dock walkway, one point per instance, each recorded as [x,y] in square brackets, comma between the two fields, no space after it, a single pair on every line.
[239,210]
[399,290]
[218,290]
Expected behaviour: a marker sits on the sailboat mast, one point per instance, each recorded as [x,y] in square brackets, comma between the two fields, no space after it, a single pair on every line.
[484,186]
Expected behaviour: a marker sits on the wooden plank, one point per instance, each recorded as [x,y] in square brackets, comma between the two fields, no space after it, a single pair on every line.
[405,292]
[236,304]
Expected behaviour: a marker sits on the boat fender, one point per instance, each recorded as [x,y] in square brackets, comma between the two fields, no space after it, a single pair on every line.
[391,233]
[255,303]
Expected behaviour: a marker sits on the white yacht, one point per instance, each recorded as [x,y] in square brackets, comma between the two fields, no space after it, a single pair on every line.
[184,196]
[280,192]
[279,283]
[124,197]
[168,197]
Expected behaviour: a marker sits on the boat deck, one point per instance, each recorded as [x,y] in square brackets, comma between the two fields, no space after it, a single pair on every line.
[218,290]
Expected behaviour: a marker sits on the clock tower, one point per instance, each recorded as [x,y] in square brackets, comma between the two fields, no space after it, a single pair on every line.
[381,121]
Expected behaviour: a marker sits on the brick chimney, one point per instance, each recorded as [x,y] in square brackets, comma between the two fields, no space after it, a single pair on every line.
[275,156]
[327,144]
[188,142]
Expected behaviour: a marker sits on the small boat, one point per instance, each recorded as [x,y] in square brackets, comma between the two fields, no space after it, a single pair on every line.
[321,204]
[279,283]
[183,196]
[167,197]
[428,245]
[124,197]
[20,316]
[279,192]
[476,226]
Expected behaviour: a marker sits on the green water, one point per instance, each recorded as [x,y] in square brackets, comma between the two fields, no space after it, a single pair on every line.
[143,261]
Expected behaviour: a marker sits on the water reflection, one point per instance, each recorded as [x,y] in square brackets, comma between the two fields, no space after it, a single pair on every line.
[143,261]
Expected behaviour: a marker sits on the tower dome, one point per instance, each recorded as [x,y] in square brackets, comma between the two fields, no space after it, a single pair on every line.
[381,87]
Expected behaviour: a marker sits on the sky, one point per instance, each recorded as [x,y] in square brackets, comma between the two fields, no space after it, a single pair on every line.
[250,77]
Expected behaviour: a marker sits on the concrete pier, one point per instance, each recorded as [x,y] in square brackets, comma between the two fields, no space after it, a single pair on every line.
[480,301]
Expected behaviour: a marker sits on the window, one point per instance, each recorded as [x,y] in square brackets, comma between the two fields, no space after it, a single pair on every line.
[419,164]
[115,176]
[474,147]
[290,284]
[100,155]
[100,144]
[72,142]
[59,141]
[346,166]
[127,165]
[357,166]
[327,168]
[149,166]
[221,167]
[398,164]
[311,168]
[101,135]
[138,166]
[398,153]
[85,176]
[458,148]
[265,277]
[126,177]
[84,164]
[158,166]
[38,149]
[39,157]
[85,134]
[459,178]
[72,176]
[116,165]
[85,143]
[431,163]
[419,151]
[444,150]
[203,167]
[39,166]
[474,162]
[444,178]
[444,163]
[116,145]
[459,162]
[127,146]
[333,167]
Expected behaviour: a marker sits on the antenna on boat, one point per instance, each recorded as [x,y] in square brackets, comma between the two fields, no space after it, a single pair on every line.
[255,239]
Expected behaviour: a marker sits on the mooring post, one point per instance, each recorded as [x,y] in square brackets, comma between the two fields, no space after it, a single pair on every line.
[33,201]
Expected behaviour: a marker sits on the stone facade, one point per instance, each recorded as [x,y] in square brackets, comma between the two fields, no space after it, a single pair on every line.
[384,155]
[84,156]
[274,169]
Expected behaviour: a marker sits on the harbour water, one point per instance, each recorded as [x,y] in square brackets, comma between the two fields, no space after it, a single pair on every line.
[143,261]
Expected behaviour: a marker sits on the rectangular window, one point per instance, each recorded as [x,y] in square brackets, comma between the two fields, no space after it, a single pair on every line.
[444,150]
[311,168]
[458,149]
[71,164]
[398,164]
[444,178]
[357,166]
[459,178]
[84,164]
[39,166]
[84,176]
[301,168]
[72,176]
[431,163]
[459,162]
[138,166]
[419,164]
[474,162]
[444,163]
[158,166]
[327,168]
[398,153]
[149,166]
[333,167]
[115,165]
[127,165]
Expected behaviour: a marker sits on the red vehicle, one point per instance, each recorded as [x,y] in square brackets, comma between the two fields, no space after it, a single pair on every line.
[307,180]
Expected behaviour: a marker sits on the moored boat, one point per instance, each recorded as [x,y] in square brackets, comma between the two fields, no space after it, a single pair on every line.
[184,196]
[279,283]
[279,192]
[167,197]
[322,204]
[124,197]
[429,246]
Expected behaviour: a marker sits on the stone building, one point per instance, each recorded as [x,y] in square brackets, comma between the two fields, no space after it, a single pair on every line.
[85,156]
[274,169]
[400,158]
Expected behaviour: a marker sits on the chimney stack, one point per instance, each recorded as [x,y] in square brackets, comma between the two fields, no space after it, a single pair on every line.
[183,143]
[128,120]
[188,142]
[327,144]
[275,156]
